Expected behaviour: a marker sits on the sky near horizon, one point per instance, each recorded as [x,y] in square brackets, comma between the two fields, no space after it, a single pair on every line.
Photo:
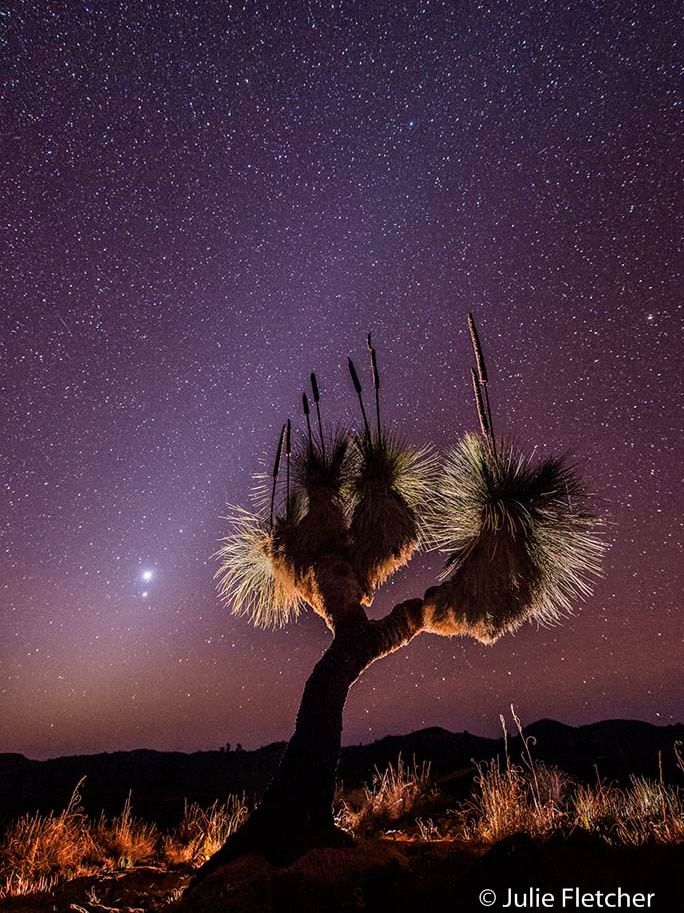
[202,203]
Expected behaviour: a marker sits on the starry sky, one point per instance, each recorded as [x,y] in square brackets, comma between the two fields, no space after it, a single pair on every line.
[204,201]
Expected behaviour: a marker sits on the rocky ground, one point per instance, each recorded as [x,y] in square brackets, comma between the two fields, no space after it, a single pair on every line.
[138,890]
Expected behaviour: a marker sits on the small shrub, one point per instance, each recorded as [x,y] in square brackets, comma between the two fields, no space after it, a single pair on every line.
[428,831]
[38,849]
[645,811]
[202,832]
[392,795]
[529,798]
[512,800]
[125,841]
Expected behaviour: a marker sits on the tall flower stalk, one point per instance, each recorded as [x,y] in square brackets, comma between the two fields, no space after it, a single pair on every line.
[481,386]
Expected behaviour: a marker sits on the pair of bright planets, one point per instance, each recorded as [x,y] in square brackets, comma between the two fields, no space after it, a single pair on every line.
[146,576]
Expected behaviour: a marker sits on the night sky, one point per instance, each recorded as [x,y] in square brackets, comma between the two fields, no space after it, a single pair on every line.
[201,203]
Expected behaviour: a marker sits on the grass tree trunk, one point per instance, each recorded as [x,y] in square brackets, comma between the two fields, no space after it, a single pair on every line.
[299,799]
[296,811]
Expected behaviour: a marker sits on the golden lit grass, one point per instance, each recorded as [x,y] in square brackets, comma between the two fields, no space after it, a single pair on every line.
[202,831]
[539,800]
[646,811]
[392,795]
[39,851]
[512,800]
[508,798]
[125,840]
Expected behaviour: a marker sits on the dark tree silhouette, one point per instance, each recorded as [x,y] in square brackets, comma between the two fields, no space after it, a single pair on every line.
[345,513]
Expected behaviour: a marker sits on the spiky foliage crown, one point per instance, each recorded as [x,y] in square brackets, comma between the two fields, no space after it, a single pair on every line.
[253,579]
[522,543]
[387,463]
[390,488]
[314,467]
[311,468]
[315,522]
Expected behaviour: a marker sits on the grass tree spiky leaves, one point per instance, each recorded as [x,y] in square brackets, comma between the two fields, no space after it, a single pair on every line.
[523,544]
[310,469]
[389,493]
[316,521]
[253,578]
[316,467]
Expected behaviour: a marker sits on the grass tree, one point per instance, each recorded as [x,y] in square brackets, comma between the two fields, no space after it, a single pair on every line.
[340,518]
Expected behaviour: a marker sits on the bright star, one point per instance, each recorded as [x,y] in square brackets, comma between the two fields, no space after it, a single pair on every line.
[147,575]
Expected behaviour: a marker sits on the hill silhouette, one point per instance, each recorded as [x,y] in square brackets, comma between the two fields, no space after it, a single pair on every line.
[160,782]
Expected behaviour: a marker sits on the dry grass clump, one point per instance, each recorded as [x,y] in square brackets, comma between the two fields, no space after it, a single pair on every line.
[508,799]
[125,840]
[17,885]
[37,852]
[538,800]
[528,797]
[646,811]
[203,831]
[512,800]
[392,795]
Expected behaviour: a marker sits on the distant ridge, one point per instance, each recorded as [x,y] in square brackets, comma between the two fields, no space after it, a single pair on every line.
[160,782]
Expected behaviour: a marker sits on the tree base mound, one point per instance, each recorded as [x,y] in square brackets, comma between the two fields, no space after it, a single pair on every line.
[373,875]
[378,875]
[276,845]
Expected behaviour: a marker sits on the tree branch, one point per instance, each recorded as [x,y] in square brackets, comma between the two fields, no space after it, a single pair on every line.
[449,612]
[398,627]
[435,613]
